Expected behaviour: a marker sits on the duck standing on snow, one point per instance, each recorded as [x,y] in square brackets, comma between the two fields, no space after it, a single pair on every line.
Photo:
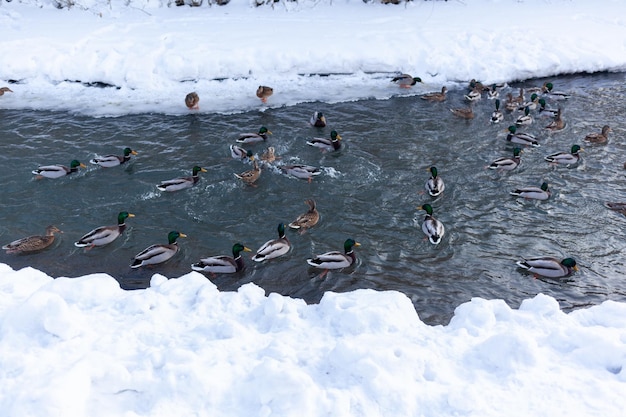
[264,92]
[520,137]
[327,144]
[335,259]
[550,267]
[261,136]
[109,161]
[566,158]
[599,138]
[32,243]
[222,264]
[105,234]
[181,183]
[535,193]
[434,185]
[5,90]
[507,164]
[431,227]
[273,248]
[318,119]
[157,254]
[306,220]
[57,171]
[192,101]
[436,97]
[406,80]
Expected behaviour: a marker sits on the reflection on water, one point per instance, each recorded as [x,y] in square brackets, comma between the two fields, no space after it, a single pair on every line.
[369,190]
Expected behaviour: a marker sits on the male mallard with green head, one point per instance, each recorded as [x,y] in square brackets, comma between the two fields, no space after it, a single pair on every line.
[104,235]
[261,136]
[432,227]
[549,267]
[57,171]
[222,264]
[181,183]
[532,192]
[273,248]
[406,80]
[109,161]
[157,254]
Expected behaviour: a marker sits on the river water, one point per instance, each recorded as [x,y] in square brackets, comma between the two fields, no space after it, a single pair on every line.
[369,190]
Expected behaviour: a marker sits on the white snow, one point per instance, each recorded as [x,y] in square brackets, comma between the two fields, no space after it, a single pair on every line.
[85,347]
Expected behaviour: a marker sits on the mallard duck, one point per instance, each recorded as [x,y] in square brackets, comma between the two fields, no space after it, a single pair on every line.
[261,136]
[434,185]
[406,80]
[157,254]
[273,248]
[619,207]
[474,95]
[305,172]
[507,164]
[239,153]
[532,104]
[32,243]
[520,137]
[497,116]
[192,100]
[436,96]
[432,227]
[558,123]
[547,266]
[567,158]
[546,111]
[252,175]
[318,119]
[464,112]
[512,103]
[57,171]
[601,137]
[547,91]
[263,92]
[222,264]
[327,144]
[181,183]
[105,234]
[269,155]
[493,92]
[536,193]
[308,219]
[109,161]
[525,119]
[5,90]
[336,259]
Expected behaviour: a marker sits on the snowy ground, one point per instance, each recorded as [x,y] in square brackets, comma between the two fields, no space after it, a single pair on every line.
[84,347]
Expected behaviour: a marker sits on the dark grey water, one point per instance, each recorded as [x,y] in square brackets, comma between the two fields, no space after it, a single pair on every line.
[368,191]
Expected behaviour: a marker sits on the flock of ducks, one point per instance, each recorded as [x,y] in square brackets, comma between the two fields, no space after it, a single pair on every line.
[274,248]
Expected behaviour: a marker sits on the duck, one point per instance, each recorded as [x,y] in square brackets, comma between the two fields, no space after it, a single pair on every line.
[58,171]
[406,80]
[264,92]
[5,90]
[223,264]
[335,259]
[156,254]
[525,119]
[261,136]
[104,235]
[497,116]
[192,100]
[434,185]
[302,171]
[547,91]
[619,207]
[109,161]
[432,227]
[548,266]
[181,183]
[464,112]
[436,97]
[474,95]
[532,104]
[558,123]
[318,119]
[273,248]
[531,192]
[32,243]
[567,158]
[251,176]
[493,92]
[546,111]
[600,138]
[239,153]
[521,138]
[306,220]
[269,155]
[512,103]
[327,144]
[507,164]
